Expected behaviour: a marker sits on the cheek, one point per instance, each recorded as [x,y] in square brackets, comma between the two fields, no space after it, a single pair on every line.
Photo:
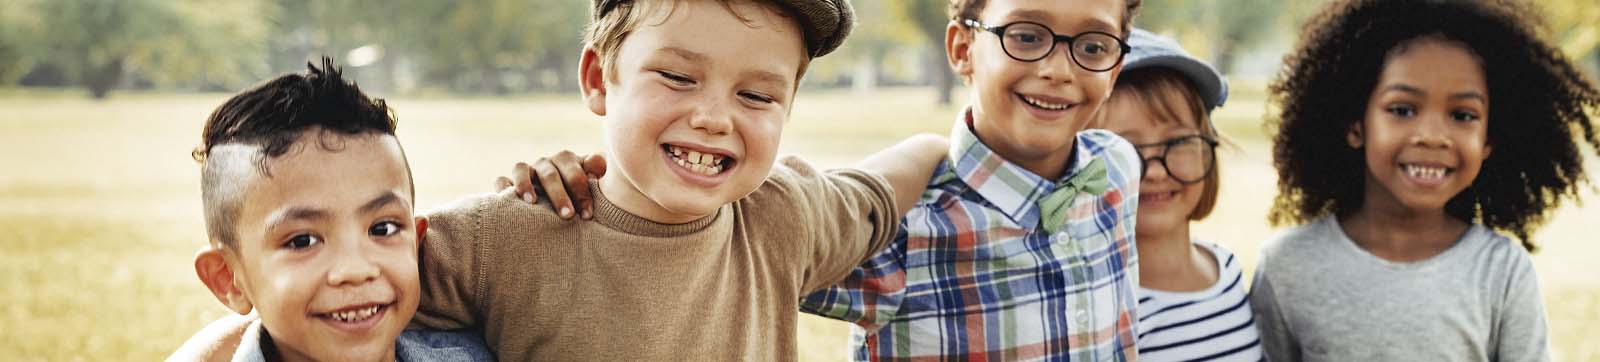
[285,290]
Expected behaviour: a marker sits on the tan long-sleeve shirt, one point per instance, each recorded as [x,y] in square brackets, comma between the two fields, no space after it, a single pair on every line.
[622,288]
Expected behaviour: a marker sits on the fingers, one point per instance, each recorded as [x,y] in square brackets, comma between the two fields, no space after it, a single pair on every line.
[522,179]
[501,183]
[549,176]
[595,165]
[576,181]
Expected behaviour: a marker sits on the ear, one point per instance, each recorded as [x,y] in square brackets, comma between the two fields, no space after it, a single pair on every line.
[591,80]
[1115,72]
[213,269]
[422,232]
[957,49]
[1488,149]
[1354,136]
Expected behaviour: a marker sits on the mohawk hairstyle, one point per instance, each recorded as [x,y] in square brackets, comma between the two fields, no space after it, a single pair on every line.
[272,116]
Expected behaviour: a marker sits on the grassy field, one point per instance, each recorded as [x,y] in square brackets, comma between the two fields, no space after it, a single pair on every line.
[100,204]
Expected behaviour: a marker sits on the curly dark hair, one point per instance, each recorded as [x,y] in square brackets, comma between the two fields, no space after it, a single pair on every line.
[1537,106]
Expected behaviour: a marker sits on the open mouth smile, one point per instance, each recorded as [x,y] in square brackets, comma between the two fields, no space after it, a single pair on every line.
[697,161]
[355,318]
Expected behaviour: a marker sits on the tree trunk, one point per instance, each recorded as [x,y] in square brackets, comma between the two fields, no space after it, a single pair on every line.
[101,79]
[1227,55]
[944,79]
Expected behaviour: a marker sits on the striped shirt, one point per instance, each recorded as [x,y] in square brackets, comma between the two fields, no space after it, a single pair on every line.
[974,276]
[1209,325]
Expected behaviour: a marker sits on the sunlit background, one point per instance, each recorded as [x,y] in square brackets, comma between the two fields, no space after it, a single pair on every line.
[102,100]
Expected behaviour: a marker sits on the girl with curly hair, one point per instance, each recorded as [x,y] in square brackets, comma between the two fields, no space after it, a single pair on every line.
[1412,134]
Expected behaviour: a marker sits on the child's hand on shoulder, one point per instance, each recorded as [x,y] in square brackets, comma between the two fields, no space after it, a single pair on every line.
[562,177]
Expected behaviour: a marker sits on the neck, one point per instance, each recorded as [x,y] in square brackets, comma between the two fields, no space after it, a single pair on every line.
[1049,165]
[628,198]
[1169,261]
[1164,246]
[1392,231]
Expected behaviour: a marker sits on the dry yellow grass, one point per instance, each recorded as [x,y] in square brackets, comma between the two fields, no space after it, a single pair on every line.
[99,202]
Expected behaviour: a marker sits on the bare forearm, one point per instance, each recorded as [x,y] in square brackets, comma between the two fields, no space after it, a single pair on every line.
[907,166]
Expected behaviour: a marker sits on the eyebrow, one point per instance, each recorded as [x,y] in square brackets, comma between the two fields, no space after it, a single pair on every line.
[686,54]
[385,199]
[1406,88]
[300,213]
[1041,16]
[297,213]
[765,77]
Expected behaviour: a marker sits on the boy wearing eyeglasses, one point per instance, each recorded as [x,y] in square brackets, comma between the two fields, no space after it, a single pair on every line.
[1022,246]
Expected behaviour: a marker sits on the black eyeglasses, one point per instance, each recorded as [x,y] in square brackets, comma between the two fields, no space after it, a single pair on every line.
[1188,159]
[1029,42]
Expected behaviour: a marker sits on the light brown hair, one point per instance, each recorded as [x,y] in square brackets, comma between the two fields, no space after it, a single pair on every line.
[1149,87]
[606,32]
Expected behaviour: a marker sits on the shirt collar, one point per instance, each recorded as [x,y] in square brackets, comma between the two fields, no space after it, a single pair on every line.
[1011,188]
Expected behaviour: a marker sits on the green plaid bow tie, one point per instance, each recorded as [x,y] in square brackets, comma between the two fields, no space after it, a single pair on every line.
[1053,207]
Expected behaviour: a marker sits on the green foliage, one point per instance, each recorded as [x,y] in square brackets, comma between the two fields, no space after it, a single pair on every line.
[96,42]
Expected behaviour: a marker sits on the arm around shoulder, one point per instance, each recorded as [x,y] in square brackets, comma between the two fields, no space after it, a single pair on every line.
[907,166]
[216,342]
[449,264]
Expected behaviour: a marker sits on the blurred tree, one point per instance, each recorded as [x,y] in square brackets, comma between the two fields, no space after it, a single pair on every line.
[15,43]
[1241,26]
[1574,25]
[929,18]
[872,42]
[98,42]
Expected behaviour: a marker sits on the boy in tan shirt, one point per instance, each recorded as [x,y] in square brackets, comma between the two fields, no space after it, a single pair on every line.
[700,248]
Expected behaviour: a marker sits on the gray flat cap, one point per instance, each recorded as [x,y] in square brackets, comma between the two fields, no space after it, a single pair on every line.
[825,22]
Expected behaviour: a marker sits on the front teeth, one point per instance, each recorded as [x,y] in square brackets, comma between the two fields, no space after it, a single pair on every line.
[1046,105]
[355,315]
[1425,172]
[703,163]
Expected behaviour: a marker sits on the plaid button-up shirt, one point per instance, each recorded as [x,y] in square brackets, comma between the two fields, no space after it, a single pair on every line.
[973,276]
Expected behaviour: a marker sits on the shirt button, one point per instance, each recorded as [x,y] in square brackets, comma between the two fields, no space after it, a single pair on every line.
[1083,316]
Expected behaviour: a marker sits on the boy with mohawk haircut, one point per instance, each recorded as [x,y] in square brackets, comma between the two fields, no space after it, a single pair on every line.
[307,200]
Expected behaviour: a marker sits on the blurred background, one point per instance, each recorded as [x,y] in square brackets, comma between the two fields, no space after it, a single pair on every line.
[102,100]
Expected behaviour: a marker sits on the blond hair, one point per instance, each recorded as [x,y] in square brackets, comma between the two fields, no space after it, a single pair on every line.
[607,31]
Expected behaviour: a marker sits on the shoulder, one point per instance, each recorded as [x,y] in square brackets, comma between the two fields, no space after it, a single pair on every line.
[1498,251]
[1121,159]
[491,210]
[1105,144]
[1227,261]
[792,180]
[439,345]
[1294,245]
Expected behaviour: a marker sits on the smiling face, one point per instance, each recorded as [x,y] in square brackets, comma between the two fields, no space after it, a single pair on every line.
[1425,132]
[1165,204]
[326,250]
[1030,112]
[696,107]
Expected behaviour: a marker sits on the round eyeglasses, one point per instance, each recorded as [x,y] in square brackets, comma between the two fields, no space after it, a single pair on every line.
[1029,42]
[1187,159]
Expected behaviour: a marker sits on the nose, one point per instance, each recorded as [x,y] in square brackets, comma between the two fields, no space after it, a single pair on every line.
[352,264]
[712,116]
[1058,67]
[1154,169]
[1433,131]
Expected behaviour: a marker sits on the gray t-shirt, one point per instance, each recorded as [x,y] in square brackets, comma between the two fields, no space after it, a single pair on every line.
[1318,296]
